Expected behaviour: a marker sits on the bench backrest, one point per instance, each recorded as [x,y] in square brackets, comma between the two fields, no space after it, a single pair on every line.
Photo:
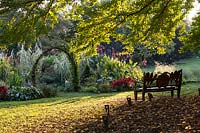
[162,80]
[149,80]
[176,78]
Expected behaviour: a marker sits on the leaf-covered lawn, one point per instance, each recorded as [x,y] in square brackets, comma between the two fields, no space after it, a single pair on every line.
[164,114]
[61,114]
[82,112]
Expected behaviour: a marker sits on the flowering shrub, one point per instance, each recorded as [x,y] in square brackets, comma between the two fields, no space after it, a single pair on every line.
[3,92]
[111,68]
[123,83]
[24,93]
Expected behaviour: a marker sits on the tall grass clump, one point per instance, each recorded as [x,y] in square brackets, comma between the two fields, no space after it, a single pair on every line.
[27,58]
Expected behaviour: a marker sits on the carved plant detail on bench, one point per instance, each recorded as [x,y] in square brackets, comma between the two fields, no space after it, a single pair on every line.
[163,80]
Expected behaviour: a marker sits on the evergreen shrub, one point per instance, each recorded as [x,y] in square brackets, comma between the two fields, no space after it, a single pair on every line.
[24,93]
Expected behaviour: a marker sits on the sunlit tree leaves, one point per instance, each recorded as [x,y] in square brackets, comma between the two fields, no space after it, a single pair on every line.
[191,38]
[149,22]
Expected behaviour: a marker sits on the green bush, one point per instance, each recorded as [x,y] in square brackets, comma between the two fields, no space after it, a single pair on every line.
[59,87]
[48,61]
[2,83]
[14,79]
[24,93]
[89,89]
[68,86]
[109,69]
[48,91]
[5,69]
[105,88]
[48,79]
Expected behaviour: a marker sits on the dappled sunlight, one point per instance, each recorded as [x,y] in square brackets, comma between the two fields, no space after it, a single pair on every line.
[62,112]
[164,114]
[77,66]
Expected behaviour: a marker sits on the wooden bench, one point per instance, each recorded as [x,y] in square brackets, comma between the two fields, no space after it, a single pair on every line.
[160,82]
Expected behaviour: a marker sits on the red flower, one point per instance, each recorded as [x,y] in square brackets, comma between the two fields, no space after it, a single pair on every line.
[3,92]
[123,82]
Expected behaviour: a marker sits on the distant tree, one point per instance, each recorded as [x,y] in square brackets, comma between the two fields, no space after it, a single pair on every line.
[191,38]
[140,53]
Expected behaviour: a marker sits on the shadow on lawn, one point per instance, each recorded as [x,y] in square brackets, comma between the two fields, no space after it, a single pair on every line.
[164,114]
[69,97]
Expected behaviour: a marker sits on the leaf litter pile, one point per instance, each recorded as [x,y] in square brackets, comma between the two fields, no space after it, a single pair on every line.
[163,114]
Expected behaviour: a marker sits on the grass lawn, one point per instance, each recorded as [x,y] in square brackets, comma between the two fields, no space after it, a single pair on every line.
[60,114]
[64,113]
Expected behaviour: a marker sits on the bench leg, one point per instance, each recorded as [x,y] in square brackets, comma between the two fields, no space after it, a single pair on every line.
[172,93]
[135,95]
[143,96]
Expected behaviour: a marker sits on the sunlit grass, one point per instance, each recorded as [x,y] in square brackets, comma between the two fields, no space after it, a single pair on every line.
[63,113]
[60,114]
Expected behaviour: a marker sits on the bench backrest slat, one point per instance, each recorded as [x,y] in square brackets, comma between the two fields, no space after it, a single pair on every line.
[149,79]
[176,78]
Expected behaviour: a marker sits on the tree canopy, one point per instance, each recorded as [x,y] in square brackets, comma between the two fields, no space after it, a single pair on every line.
[149,22]
[25,20]
[191,38]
